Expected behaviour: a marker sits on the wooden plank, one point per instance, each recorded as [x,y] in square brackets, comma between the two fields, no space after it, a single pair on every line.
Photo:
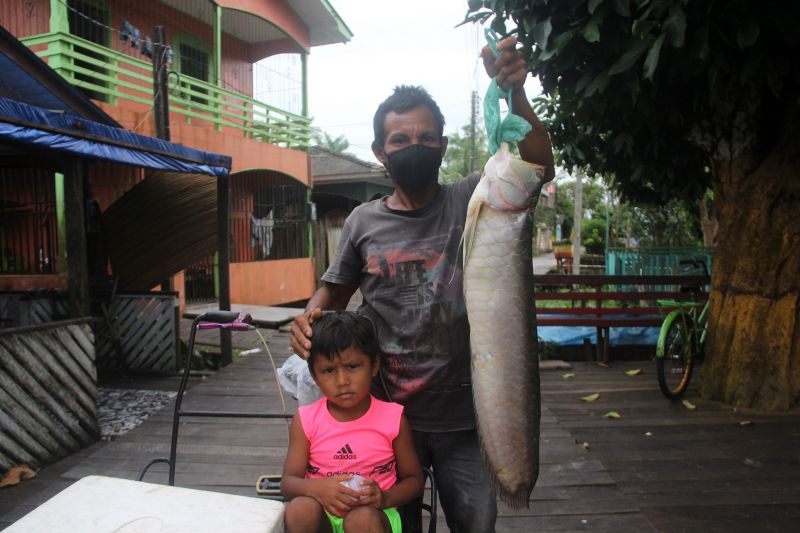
[14,454]
[25,441]
[602,322]
[620,295]
[64,408]
[59,343]
[83,392]
[34,412]
[602,279]
[22,417]
[603,310]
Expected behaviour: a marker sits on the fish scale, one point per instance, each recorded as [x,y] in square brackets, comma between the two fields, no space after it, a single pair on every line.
[498,290]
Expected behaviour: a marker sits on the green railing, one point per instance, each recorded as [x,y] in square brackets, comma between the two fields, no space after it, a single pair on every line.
[114,77]
[655,261]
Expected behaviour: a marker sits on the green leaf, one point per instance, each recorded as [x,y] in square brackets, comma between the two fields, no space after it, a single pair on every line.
[689,405]
[568,375]
[612,414]
[499,25]
[541,32]
[651,62]
[593,5]
[634,372]
[675,26]
[630,57]
[591,397]
[562,40]
[591,32]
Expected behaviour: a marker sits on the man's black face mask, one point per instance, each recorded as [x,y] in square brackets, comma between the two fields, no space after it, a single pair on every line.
[415,167]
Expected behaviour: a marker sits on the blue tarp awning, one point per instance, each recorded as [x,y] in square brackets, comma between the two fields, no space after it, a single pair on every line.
[36,128]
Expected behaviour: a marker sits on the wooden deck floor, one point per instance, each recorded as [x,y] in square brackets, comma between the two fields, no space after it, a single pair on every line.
[660,467]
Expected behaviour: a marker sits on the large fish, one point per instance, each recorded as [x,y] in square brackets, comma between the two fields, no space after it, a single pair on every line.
[498,289]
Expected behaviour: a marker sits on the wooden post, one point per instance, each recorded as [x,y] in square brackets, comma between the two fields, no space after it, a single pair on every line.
[77,266]
[161,101]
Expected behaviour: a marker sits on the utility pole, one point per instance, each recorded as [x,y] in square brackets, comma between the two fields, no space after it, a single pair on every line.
[160,86]
[161,101]
[473,118]
[576,230]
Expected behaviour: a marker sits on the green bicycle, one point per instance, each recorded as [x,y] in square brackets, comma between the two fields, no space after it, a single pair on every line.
[681,340]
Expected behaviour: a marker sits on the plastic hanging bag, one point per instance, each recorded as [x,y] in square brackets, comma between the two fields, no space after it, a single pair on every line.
[295,378]
[512,128]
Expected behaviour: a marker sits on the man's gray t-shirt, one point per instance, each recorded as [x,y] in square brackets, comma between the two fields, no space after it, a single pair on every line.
[408,267]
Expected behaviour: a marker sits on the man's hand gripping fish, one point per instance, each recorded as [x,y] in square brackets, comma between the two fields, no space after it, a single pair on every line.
[498,289]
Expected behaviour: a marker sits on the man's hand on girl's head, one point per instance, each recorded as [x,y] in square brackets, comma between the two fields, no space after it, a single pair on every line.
[301,332]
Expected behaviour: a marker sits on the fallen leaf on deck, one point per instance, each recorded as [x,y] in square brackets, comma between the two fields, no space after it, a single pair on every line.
[16,474]
[745,422]
[604,365]
[689,405]
[611,414]
[634,372]
[591,397]
[568,375]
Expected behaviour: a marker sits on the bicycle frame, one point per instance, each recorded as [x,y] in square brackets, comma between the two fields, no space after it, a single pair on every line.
[693,322]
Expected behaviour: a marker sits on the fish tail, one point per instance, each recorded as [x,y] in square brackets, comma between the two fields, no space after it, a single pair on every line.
[516,500]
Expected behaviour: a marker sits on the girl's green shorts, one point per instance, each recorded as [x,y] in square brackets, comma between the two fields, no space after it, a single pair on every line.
[337,524]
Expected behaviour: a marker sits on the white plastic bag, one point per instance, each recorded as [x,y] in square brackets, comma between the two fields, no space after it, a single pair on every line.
[295,378]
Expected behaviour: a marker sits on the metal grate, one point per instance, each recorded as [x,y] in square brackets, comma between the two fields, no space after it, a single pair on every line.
[269,213]
[28,234]
[199,281]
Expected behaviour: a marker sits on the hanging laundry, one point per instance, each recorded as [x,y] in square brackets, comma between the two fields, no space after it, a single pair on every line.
[261,233]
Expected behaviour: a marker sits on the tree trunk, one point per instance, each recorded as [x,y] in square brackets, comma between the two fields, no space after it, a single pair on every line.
[753,343]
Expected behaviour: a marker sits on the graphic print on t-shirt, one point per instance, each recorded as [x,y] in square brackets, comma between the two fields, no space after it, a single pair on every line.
[420,283]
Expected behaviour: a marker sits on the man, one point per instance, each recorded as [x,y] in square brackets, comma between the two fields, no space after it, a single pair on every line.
[403,253]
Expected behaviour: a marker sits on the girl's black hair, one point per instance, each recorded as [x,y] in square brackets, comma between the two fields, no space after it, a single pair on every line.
[336,331]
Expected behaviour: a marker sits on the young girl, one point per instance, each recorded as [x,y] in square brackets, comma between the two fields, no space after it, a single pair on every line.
[348,433]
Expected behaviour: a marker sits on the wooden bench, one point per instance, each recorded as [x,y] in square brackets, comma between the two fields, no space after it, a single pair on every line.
[605,302]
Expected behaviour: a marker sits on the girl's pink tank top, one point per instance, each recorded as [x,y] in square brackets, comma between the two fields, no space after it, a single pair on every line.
[362,446]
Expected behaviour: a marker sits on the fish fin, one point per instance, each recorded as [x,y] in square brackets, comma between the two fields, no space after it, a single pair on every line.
[471,224]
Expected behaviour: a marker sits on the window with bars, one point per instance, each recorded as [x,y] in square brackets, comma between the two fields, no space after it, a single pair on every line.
[28,228]
[88,19]
[193,59]
[269,218]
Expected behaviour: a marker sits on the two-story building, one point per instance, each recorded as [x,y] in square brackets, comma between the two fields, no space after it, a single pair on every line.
[236,85]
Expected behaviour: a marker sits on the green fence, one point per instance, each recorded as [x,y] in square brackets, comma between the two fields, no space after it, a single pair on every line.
[656,261]
[113,77]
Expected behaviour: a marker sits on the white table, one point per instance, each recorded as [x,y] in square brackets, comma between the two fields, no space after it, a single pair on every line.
[98,504]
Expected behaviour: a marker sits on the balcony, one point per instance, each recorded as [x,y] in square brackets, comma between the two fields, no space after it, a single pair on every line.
[125,81]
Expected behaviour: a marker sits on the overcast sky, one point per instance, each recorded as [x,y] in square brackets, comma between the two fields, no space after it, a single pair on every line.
[396,42]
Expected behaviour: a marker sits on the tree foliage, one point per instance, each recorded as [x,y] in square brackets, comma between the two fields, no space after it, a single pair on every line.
[335,144]
[464,154]
[648,92]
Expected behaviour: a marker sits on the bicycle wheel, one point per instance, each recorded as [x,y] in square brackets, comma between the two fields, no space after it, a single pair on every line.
[676,356]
